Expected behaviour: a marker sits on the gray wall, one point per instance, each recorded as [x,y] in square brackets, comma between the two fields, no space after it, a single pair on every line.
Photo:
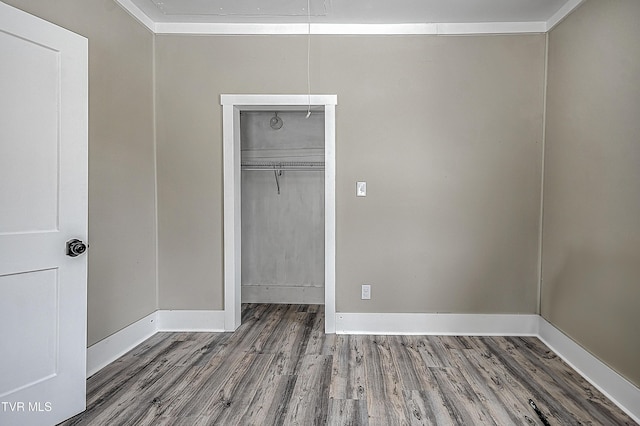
[122,269]
[591,251]
[282,234]
[446,130]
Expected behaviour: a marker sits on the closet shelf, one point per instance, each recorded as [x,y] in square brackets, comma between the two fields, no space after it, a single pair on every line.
[283,165]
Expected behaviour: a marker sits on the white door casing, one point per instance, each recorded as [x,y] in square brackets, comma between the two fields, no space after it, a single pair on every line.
[43,204]
[231,107]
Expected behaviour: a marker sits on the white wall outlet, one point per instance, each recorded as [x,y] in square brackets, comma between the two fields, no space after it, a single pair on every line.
[366,292]
[361,189]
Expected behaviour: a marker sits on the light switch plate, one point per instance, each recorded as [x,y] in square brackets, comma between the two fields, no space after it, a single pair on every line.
[366,291]
[361,189]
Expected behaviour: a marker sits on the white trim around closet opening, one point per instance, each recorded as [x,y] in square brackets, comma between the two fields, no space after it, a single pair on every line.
[231,107]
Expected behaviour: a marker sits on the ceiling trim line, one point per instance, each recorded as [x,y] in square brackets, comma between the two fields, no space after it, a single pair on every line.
[445,28]
[138,14]
[564,11]
[349,29]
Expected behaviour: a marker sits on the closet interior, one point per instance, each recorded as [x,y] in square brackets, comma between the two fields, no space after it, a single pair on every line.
[282,224]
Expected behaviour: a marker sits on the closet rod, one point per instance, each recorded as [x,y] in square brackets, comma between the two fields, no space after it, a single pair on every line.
[283,169]
[283,165]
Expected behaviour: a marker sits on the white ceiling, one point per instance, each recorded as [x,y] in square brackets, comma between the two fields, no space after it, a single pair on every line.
[350,16]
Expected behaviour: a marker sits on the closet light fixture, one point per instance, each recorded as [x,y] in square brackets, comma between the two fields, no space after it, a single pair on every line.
[276,122]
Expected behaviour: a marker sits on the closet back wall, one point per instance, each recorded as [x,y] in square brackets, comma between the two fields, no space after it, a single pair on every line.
[283,220]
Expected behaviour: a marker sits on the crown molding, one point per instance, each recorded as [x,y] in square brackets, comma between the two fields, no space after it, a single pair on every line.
[350,29]
[443,28]
[138,14]
[564,11]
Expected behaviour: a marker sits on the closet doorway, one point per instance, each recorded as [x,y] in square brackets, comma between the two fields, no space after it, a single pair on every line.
[238,112]
[282,203]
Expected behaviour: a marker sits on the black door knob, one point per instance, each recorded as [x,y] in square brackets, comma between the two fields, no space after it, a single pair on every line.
[75,248]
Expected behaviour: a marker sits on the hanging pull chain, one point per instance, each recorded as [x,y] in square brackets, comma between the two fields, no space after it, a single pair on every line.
[308,58]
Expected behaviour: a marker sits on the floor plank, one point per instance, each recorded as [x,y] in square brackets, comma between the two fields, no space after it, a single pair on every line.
[385,399]
[279,368]
[348,372]
[427,408]
[347,412]
[459,398]
[309,402]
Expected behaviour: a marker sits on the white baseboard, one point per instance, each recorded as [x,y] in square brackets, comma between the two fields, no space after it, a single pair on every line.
[619,390]
[113,347]
[184,320]
[437,324]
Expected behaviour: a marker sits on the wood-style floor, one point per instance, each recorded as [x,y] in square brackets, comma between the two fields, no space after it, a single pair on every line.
[279,368]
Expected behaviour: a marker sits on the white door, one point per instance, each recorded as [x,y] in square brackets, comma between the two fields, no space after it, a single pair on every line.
[43,204]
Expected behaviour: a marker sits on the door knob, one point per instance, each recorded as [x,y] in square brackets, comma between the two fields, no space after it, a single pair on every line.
[75,248]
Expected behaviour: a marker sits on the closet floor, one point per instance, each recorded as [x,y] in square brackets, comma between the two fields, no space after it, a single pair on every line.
[279,368]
